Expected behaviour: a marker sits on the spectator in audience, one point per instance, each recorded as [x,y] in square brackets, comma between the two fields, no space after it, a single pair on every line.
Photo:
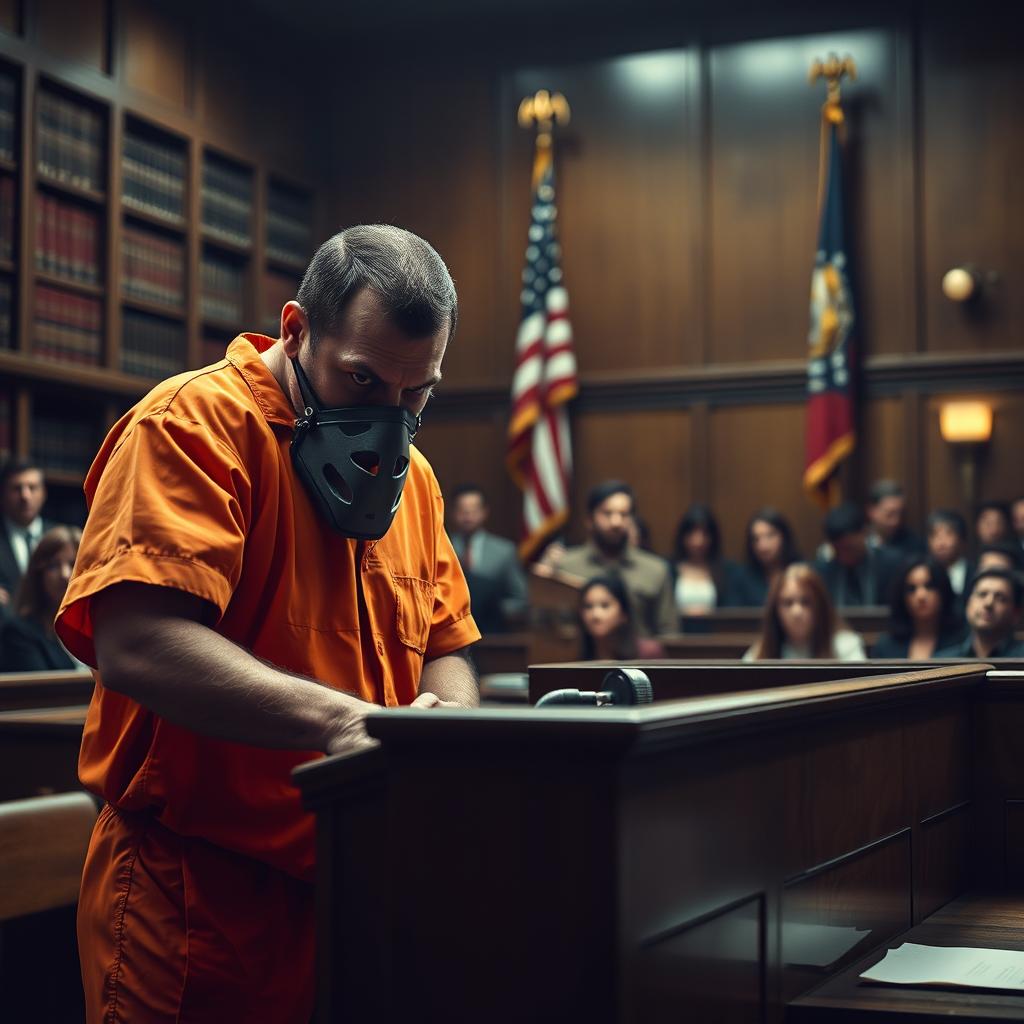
[993,608]
[1006,555]
[857,575]
[886,511]
[992,523]
[924,617]
[1017,515]
[29,641]
[770,548]
[497,585]
[947,544]
[607,631]
[646,577]
[800,622]
[22,495]
[702,577]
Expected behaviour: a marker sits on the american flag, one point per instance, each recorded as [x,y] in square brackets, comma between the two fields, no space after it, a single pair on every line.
[539,448]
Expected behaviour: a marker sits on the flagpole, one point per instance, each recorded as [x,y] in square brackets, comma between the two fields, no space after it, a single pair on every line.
[833,70]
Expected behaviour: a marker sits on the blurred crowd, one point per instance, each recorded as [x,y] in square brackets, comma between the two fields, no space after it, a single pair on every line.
[953,589]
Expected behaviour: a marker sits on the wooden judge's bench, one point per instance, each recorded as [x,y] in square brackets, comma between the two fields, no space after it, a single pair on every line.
[732,857]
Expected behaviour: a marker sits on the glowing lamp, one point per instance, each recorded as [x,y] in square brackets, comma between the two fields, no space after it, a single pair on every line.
[966,422]
[960,284]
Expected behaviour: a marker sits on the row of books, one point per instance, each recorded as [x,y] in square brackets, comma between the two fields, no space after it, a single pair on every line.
[277,290]
[152,267]
[8,106]
[151,346]
[227,201]
[289,225]
[70,141]
[67,240]
[6,313]
[6,218]
[153,177]
[64,443]
[67,328]
[223,290]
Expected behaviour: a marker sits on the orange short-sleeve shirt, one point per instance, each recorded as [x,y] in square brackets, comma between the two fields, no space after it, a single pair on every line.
[194,489]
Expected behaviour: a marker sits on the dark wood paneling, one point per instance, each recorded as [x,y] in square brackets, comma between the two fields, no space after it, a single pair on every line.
[1014,842]
[77,32]
[972,189]
[764,127]
[401,158]
[10,16]
[711,967]
[868,892]
[845,794]
[155,51]
[938,760]
[628,177]
[649,450]
[943,860]
[881,456]
[473,452]
[757,459]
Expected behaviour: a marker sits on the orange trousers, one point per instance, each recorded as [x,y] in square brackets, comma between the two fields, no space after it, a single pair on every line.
[174,929]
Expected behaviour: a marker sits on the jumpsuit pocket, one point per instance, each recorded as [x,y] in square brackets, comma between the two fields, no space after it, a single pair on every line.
[414,609]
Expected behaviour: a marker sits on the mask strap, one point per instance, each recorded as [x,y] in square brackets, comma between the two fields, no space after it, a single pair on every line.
[309,398]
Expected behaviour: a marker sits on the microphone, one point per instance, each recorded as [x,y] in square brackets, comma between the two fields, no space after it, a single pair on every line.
[620,686]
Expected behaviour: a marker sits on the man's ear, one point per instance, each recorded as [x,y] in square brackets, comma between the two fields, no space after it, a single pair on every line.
[294,328]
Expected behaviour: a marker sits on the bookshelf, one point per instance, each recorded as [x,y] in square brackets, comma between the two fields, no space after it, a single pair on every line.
[131,248]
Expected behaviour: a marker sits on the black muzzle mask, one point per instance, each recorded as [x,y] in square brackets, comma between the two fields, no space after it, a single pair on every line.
[353,461]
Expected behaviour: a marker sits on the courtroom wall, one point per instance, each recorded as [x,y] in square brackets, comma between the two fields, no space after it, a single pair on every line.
[687,189]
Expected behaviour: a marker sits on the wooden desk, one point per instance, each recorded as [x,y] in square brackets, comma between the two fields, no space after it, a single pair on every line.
[39,751]
[676,680]
[651,864]
[992,920]
[44,689]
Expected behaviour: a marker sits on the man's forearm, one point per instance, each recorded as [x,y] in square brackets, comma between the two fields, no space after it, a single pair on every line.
[453,678]
[196,678]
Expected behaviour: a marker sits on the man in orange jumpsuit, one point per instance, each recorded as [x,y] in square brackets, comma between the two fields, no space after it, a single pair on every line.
[264,564]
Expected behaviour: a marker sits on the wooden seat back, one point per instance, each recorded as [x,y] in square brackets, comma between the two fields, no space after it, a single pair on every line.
[43,841]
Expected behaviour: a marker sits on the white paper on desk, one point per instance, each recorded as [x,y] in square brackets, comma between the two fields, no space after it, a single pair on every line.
[958,966]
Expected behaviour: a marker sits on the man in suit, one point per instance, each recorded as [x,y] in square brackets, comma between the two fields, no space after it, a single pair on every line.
[993,609]
[497,585]
[22,494]
[887,511]
[608,551]
[856,575]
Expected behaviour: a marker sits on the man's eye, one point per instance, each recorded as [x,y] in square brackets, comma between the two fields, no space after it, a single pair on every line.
[361,379]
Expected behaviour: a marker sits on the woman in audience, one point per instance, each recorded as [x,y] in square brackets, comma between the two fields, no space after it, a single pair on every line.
[29,641]
[799,621]
[701,575]
[923,617]
[770,548]
[607,631]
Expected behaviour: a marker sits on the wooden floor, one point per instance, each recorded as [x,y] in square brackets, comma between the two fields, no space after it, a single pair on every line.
[981,920]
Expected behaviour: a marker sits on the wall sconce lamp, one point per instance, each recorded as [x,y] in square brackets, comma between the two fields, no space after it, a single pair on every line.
[961,284]
[967,426]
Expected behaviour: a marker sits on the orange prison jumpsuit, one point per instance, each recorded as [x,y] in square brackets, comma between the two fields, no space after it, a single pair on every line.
[197,902]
